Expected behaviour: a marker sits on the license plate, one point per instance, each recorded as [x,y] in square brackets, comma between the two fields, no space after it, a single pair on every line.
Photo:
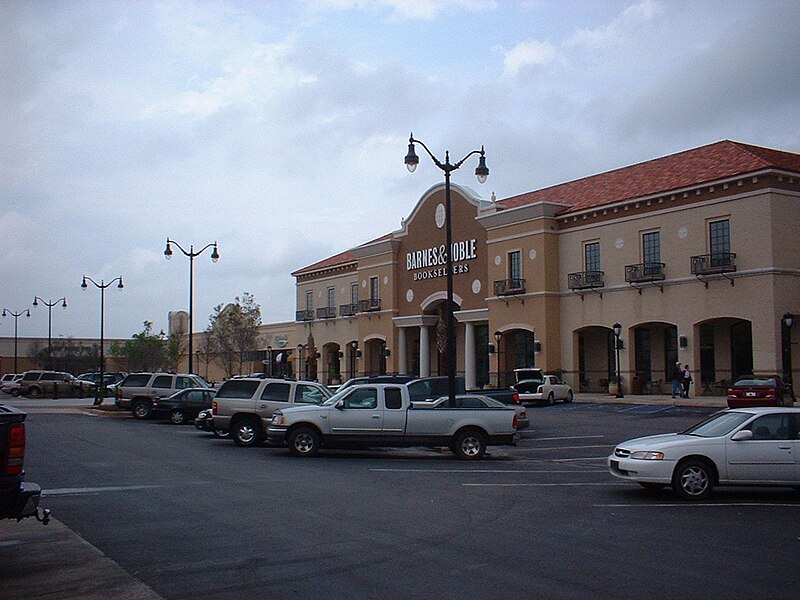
[750,394]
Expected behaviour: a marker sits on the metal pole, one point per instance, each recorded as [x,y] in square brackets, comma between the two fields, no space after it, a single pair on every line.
[451,331]
[191,303]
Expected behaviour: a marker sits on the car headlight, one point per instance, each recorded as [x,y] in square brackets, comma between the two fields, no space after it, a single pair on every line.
[647,455]
[278,418]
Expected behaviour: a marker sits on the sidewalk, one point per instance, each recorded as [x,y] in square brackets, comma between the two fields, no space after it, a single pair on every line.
[51,561]
[655,399]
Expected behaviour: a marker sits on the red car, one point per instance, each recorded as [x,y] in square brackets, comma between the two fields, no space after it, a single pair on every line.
[759,391]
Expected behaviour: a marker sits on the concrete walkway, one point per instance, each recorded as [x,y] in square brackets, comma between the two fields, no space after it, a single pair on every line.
[655,399]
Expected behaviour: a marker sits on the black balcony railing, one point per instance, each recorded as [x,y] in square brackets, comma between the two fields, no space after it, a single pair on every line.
[709,264]
[304,315]
[369,305]
[348,310]
[327,312]
[586,280]
[644,272]
[508,287]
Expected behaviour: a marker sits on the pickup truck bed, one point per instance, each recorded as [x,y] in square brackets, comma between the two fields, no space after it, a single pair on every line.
[18,499]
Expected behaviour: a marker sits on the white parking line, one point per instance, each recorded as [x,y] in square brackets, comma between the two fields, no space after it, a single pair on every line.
[567,447]
[472,471]
[697,504]
[96,490]
[571,437]
[541,484]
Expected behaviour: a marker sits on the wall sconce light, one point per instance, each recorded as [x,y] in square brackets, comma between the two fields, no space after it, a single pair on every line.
[387,353]
[683,341]
[490,349]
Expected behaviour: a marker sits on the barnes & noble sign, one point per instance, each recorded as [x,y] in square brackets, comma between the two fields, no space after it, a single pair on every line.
[432,262]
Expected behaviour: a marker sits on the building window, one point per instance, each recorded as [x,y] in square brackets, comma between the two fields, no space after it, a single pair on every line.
[309,300]
[514,267]
[354,293]
[331,297]
[651,248]
[373,288]
[591,256]
[719,233]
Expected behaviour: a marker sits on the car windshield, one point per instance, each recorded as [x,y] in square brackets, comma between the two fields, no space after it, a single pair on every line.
[719,424]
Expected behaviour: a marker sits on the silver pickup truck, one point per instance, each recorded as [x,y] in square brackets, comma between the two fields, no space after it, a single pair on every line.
[383,415]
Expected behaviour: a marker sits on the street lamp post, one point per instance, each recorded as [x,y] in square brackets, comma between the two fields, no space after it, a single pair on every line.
[617,328]
[50,306]
[101,390]
[481,172]
[16,315]
[497,337]
[788,321]
[191,254]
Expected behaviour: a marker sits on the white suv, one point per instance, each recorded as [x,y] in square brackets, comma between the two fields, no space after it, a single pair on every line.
[245,406]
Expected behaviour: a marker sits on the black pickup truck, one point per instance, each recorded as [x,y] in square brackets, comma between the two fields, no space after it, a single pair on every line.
[18,498]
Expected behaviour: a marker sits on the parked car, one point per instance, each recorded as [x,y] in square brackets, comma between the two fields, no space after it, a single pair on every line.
[533,385]
[384,415]
[183,405]
[10,384]
[245,406]
[482,401]
[741,446]
[204,421]
[759,391]
[138,390]
[36,383]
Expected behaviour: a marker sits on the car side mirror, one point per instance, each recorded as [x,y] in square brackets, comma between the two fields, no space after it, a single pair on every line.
[339,404]
[742,435]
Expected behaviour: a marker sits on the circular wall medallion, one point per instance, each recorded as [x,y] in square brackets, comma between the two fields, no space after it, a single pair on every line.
[385,280]
[476,286]
[619,243]
[440,215]
[497,260]
[410,296]
[683,232]
[532,254]
[364,283]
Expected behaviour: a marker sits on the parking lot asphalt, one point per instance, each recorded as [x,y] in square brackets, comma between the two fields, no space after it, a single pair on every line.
[52,561]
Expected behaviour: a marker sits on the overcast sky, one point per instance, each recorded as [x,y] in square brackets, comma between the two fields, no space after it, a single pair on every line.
[279,128]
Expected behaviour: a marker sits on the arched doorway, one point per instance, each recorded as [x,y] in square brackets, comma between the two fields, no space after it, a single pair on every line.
[655,348]
[726,352]
[596,358]
[517,350]
[375,357]
[331,363]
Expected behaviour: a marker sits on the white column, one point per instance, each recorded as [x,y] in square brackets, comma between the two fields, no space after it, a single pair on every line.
[469,356]
[402,369]
[424,352]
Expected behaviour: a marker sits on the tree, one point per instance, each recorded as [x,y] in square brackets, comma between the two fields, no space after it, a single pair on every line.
[234,332]
[144,351]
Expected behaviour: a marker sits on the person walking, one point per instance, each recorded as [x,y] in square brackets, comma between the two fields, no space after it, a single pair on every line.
[686,380]
[677,379]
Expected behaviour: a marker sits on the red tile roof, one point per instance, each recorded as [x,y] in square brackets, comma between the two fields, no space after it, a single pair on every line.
[338,260]
[713,162]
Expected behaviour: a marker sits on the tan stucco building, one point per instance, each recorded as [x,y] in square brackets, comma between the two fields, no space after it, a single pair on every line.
[696,255]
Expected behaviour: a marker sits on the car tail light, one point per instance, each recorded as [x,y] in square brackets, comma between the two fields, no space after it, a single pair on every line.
[771,394]
[214,407]
[540,389]
[514,422]
[16,449]
[515,397]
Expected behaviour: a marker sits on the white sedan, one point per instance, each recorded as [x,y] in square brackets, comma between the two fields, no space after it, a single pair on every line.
[744,446]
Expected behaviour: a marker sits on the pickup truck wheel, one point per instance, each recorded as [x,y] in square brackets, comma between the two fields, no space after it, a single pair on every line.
[246,432]
[303,442]
[141,410]
[569,396]
[551,399]
[178,417]
[470,445]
